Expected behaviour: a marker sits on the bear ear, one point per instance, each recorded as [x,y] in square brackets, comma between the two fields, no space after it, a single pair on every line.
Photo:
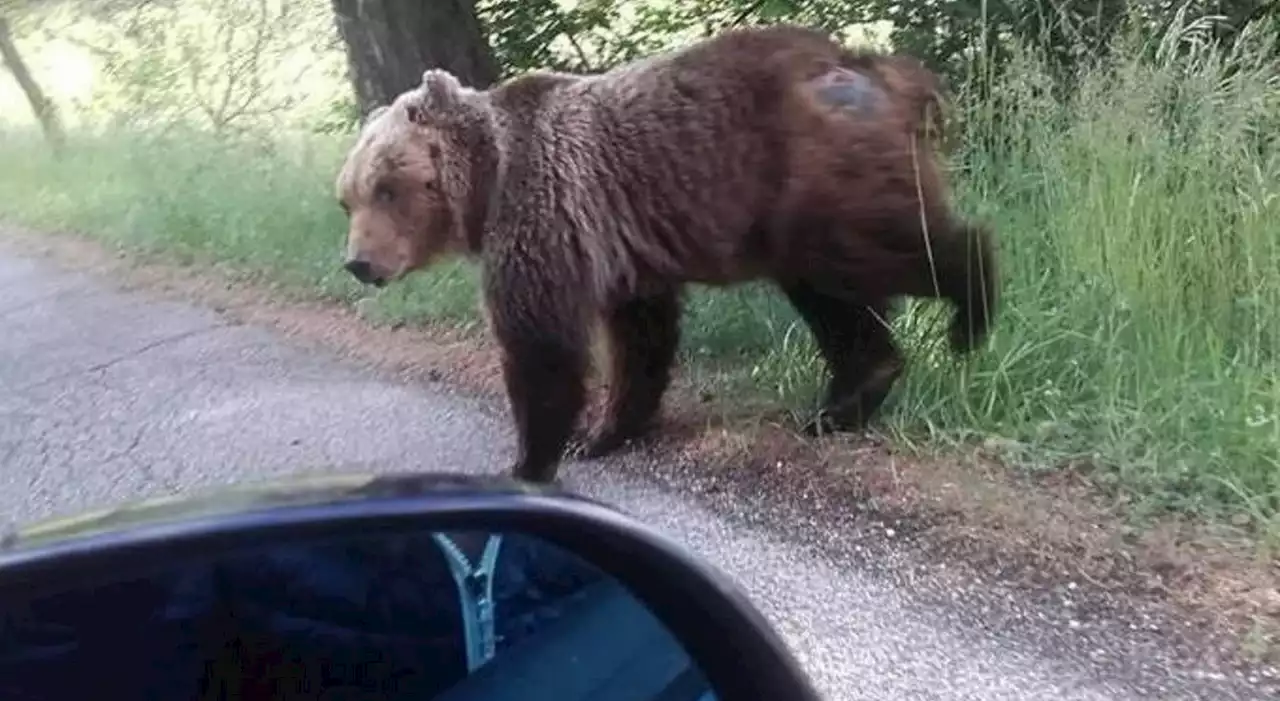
[439,95]
[440,86]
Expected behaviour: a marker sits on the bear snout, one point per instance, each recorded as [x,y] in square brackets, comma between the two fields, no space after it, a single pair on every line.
[363,271]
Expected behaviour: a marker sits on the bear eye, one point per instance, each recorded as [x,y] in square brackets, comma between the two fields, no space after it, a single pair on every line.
[383,194]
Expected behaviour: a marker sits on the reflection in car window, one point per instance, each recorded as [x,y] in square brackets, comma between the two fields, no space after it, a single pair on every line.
[475,588]
[454,616]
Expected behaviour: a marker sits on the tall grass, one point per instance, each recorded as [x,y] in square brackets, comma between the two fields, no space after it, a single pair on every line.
[1139,243]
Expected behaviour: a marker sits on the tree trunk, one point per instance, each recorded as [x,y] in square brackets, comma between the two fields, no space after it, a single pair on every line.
[44,109]
[391,42]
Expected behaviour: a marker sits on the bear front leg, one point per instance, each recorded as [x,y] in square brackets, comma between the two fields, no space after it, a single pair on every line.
[644,334]
[544,360]
[546,393]
[858,348]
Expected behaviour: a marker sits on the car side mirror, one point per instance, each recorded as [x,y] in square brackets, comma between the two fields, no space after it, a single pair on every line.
[344,588]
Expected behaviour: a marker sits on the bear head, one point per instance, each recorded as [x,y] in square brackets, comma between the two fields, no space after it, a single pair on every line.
[414,184]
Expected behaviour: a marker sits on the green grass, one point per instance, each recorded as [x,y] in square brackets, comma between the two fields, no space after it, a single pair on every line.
[1140,251]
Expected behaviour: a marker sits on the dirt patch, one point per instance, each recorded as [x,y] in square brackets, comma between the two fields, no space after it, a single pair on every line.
[965,510]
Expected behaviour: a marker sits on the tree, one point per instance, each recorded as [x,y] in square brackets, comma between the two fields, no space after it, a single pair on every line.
[391,42]
[45,111]
[223,65]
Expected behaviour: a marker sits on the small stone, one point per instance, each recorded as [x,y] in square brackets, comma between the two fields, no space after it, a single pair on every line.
[365,307]
[1271,602]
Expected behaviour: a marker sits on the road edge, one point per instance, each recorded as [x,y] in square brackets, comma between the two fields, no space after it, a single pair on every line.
[854,487]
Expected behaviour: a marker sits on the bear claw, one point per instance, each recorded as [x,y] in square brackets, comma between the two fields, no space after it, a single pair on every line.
[824,424]
[601,442]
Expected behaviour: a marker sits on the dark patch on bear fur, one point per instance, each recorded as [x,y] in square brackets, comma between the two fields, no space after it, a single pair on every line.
[851,90]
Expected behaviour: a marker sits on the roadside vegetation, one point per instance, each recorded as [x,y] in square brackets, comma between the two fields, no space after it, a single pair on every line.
[1132,175]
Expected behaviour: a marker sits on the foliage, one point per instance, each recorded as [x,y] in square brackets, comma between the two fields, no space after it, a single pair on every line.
[592,35]
[222,65]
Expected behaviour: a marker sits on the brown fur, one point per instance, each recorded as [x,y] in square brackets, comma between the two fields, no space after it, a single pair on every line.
[921,91]
[761,153]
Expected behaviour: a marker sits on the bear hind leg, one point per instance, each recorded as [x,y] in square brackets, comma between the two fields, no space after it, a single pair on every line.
[972,286]
[643,334]
[958,265]
[861,356]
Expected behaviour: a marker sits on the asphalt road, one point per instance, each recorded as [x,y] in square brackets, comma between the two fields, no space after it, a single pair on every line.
[106,396]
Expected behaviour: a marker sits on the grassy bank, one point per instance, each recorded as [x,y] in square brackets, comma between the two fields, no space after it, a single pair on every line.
[1140,250]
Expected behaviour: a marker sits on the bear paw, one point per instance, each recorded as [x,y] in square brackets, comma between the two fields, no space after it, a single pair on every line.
[606,440]
[826,424]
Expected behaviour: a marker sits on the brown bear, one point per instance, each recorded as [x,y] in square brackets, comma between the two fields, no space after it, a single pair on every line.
[759,153]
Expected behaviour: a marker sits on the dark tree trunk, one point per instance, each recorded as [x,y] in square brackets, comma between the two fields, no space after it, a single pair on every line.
[44,109]
[391,42]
